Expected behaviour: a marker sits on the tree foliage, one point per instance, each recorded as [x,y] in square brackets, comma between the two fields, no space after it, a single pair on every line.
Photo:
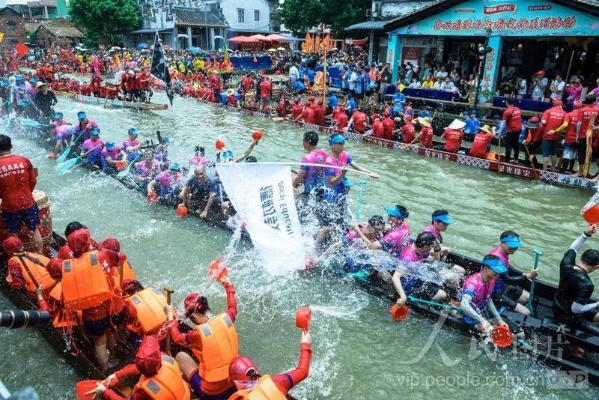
[105,20]
[301,15]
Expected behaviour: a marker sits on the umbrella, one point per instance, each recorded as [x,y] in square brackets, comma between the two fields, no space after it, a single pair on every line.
[281,49]
[271,50]
[296,51]
[242,39]
[276,38]
[195,50]
[142,45]
[166,47]
[260,37]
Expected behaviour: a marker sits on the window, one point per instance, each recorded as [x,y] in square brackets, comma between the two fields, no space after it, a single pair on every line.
[240,15]
[256,15]
[12,26]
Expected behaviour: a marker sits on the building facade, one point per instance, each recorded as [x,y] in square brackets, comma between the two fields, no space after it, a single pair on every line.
[58,33]
[13,27]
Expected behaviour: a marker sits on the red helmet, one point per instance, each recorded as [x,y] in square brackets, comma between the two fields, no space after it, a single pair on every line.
[79,240]
[148,359]
[111,243]
[240,368]
[12,245]
[190,303]
[54,268]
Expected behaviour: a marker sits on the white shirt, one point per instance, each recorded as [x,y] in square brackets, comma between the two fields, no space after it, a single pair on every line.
[559,89]
[447,86]
[442,74]
[293,72]
[522,86]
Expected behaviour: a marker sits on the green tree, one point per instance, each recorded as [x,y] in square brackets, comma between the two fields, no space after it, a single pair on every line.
[105,20]
[301,15]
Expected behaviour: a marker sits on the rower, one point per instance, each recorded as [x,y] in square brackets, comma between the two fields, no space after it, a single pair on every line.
[85,126]
[59,120]
[572,304]
[146,170]
[200,194]
[92,149]
[405,279]
[407,130]
[213,341]
[112,155]
[65,251]
[160,376]
[425,136]
[145,315]
[508,292]
[63,134]
[396,240]
[453,136]
[250,384]
[132,145]
[440,221]
[482,143]
[356,256]
[476,302]
[166,182]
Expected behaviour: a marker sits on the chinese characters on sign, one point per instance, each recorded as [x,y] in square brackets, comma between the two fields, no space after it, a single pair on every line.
[12,169]
[500,24]
[274,209]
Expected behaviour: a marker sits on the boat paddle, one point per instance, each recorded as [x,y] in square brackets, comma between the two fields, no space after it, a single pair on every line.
[67,165]
[169,293]
[538,255]
[30,123]
[67,151]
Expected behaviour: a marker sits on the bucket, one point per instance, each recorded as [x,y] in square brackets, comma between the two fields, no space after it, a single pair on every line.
[121,165]
[591,214]
[152,197]
[302,318]
[182,211]
[84,387]
[399,313]
[217,270]
[502,337]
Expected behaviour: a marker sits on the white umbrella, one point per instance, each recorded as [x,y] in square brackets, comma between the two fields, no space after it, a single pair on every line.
[281,49]
[271,50]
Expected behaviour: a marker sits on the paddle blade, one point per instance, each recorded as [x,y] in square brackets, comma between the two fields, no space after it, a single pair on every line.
[502,337]
[85,386]
[31,123]
[64,155]
[67,165]
[399,313]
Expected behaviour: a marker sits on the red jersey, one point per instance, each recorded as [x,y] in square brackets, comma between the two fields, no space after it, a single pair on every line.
[586,115]
[342,120]
[480,145]
[552,119]
[17,181]
[247,83]
[319,112]
[296,110]
[265,88]
[453,139]
[572,119]
[144,81]
[389,126]
[426,136]
[308,115]
[378,130]
[360,121]
[409,132]
[513,119]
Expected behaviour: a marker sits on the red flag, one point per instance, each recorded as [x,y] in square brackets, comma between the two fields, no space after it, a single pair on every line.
[96,65]
[21,49]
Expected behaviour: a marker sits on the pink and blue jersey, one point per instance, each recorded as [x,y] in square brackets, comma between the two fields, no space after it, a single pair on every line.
[397,240]
[480,292]
[65,132]
[82,128]
[131,155]
[114,156]
[94,157]
[167,182]
[314,175]
[431,229]
[336,192]
[198,160]
[409,280]
[505,260]
[57,124]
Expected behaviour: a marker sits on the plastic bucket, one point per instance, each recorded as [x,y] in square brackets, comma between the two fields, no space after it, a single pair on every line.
[84,387]
[591,214]
[502,337]
[302,318]
[182,211]
[399,313]
[217,270]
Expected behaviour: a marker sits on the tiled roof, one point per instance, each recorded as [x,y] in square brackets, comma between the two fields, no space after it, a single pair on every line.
[65,31]
[186,16]
[367,26]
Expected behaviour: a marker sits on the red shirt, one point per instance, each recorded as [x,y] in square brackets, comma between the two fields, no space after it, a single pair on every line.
[17,181]
[552,119]
[247,83]
[480,145]
[389,126]
[319,112]
[144,80]
[586,114]
[378,130]
[572,119]
[409,132]
[426,136]
[308,115]
[360,121]
[342,120]
[513,119]
[453,139]
[265,87]
[296,110]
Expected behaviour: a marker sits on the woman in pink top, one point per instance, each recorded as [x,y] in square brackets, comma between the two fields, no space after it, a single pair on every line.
[397,239]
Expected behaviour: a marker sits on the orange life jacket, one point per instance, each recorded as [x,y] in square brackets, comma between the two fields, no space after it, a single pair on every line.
[167,384]
[39,274]
[84,283]
[127,271]
[220,345]
[149,305]
[265,390]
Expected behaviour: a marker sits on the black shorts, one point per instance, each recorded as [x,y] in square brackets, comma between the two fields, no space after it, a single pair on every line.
[508,298]
[425,290]
[29,216]
[352,92]
[582,321]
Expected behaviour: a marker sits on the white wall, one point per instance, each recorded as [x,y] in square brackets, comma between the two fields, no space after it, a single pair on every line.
[230,7]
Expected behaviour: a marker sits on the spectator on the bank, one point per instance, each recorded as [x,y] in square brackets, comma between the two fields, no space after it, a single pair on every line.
[573,91]
[539,85]
[556,89]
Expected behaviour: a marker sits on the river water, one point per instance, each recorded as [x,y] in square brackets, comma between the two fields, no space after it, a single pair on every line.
[358,351]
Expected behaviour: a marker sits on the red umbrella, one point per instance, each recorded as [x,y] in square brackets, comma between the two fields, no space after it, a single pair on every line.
[166,47]
[260,37]
[276,38]
[242,39]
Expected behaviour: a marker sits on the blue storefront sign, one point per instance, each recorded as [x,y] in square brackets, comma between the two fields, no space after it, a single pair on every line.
[505,18]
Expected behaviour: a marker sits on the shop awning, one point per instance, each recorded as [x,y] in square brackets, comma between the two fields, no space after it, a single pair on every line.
[368,26]
[427,9]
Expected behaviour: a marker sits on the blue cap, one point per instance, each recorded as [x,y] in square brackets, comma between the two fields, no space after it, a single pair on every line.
[394,212]
[513,242]
[81,115]
[58,115]
[174,167]
[444,218]
[95,132]
[32,80]
[347,183]
[110,146]
[133,131]
[496,116]
[227,155]
[19,78]
[496,265]
[166,140]
[338,138]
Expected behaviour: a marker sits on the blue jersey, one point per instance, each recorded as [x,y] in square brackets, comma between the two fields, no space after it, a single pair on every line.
[333,101]
[351,105]
[311,75]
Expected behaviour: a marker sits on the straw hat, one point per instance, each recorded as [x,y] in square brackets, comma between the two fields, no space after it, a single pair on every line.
[426,121]
[230,92]
[486,129]
[457,124]
[39,85]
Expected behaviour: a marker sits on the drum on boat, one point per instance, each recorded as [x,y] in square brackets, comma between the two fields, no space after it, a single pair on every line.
[45,227]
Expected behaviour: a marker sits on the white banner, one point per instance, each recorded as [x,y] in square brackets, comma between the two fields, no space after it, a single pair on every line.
[263,197]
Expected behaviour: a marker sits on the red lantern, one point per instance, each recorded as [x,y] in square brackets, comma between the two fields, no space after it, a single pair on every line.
[220,145]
